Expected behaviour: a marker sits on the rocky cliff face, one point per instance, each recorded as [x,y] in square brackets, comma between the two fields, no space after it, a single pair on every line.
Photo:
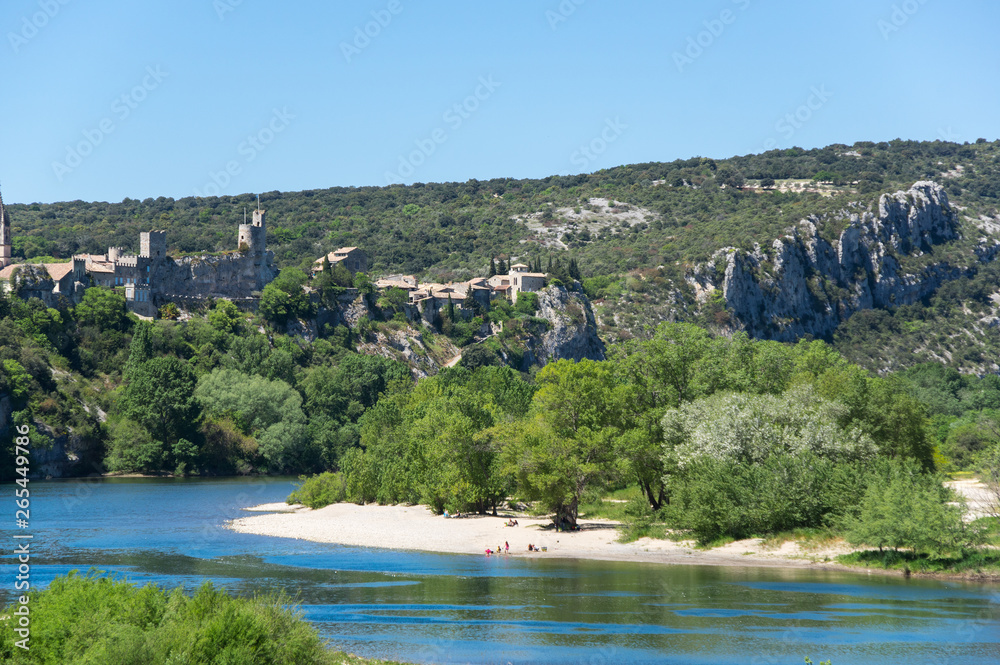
[232,276]
[806,285]
[572,333]
[69,455]
[5,414]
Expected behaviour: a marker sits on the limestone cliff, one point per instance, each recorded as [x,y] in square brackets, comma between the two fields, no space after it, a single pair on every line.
[572,330]
[805,284]
[233,276]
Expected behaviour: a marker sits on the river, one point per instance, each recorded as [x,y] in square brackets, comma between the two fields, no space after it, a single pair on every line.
[435,608]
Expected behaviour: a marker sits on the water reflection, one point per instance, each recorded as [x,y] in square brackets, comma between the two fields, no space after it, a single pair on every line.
[432,608]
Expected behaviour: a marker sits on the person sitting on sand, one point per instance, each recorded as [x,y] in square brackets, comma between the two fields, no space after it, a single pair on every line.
[531,548]
[488,551]
[446,513]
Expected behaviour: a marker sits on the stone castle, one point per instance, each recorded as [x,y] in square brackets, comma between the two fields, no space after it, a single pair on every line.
[152,278]
[149,279]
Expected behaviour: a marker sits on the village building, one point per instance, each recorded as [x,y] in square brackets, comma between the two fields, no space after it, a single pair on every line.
[407,283]
[352,258]
[523,281]
[55,284]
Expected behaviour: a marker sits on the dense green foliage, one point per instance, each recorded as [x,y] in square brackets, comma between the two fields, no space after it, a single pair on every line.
[725,437]
[904,508]
[92,619]
[210,395]
[458,227]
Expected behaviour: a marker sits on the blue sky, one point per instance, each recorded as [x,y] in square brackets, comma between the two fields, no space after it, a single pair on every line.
[106,100]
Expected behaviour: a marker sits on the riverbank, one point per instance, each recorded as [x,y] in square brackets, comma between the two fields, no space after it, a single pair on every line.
[417,528]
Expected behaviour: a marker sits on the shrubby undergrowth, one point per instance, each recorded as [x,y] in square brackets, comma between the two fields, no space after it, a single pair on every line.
[91,619]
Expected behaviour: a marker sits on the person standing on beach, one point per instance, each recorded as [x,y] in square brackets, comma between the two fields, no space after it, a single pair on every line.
[506,547]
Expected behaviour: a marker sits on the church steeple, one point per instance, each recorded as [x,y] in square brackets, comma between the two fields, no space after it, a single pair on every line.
[5,236]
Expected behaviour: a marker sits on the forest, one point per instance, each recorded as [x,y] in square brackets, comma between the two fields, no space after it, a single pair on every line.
[716,436]
[696,427]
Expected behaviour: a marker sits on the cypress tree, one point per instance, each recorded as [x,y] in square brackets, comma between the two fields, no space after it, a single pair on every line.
[574,270]
[493,268]
[141,349]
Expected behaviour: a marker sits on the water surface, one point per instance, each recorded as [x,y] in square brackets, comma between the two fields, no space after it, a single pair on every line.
[436,608]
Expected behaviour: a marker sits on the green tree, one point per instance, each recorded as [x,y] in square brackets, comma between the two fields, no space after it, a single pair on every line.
[270,411]
[226,317]
[103,309]
[565,447]
[275,305]
[905,507]
[159,395]
[18,380]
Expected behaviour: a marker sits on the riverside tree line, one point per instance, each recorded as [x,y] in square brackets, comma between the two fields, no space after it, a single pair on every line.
[721,436]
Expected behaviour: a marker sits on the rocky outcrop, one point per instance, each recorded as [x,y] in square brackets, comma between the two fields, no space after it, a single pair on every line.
[571,332]
[807,285]
[234,276]
[69,455]
[6,413]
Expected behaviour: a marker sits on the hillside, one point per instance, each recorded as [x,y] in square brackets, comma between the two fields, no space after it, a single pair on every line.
[645,236]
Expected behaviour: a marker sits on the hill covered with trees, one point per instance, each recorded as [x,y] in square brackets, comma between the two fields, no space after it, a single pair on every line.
[636,232]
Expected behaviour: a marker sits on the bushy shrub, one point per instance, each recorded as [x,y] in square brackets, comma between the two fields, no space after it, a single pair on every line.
[905,507]
[321,490]
[93,619]
[718,498]
[527,303]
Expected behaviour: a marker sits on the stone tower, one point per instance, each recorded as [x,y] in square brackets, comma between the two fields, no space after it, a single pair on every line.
[5,236]
[153,245]
[252,237]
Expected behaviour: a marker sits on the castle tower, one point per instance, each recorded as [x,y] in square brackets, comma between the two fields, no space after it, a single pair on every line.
[153,245]
[5,236]
[253,237]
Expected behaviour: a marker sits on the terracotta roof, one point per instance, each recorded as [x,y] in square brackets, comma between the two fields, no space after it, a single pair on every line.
[345,250]
[534,274]
[56,270]
[101,267]
[394,284]
[59,270]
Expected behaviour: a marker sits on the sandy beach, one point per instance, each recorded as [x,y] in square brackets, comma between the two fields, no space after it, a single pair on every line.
[417,528]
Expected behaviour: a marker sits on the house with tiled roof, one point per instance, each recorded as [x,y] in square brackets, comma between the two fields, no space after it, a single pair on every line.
[352,258]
